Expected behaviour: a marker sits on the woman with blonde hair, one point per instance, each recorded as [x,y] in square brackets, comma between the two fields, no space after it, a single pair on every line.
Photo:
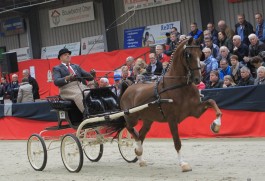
[228,81]
[141,63]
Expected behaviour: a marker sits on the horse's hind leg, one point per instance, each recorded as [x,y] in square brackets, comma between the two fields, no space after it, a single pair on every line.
[142,134]
[185,167]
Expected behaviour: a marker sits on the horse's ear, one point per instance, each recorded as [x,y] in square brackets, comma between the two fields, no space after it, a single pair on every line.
[190,41]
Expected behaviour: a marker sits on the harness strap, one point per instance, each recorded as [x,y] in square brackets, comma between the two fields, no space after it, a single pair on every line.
[158,97]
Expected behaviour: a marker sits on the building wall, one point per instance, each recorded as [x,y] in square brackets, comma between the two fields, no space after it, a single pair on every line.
[228,11]
[70,33]
[186,11]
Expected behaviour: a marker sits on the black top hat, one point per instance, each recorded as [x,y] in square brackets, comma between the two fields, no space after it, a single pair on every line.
[62,51]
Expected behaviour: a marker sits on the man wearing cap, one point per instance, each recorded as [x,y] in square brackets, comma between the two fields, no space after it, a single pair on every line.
[65,77]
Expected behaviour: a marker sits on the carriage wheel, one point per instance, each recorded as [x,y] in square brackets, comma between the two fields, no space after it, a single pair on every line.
[126,144]
[92,146]
[37,152]
[71,153]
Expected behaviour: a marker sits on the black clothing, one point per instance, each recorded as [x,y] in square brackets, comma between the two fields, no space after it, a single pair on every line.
[35,87]
[158,70]
[245,82]
[12,90]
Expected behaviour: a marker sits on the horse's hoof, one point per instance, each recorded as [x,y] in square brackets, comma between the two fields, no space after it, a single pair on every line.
[185,167]
[215,128]
[143,164]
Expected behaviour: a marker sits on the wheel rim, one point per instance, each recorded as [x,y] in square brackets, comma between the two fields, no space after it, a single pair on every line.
[127,145]
[71,153]
[92,146]
[37,152]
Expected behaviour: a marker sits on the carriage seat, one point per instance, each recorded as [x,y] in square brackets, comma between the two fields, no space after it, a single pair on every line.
[110,103]
[58,103]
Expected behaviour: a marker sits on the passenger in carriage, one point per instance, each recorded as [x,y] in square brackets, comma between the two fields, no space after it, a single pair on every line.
[70,78]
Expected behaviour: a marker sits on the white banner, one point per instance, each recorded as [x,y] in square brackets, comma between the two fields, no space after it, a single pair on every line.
[22,54]
[92,44]
[141,4]
[52,51]
[71,14]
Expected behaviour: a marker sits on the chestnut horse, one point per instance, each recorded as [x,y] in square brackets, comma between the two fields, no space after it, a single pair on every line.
[177,84]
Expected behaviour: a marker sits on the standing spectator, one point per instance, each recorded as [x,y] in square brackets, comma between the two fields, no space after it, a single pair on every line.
[196,33]
[210,64]
[160,56]
[260,27]
[228,31]
[243,28]
[4,84]
[211,28]
[33,82]
[225,69]
[228,81]
[25,92]
[260,80]
[240,49]
[12,89]
[209,44]
[2,94]
[224,54]
[155,67]
[246,78]
[224,41]
[215,81]
[207,33]
[172,44]
[235,68]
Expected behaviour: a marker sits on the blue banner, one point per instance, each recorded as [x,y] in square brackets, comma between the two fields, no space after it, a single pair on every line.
[13,26]
[133,37]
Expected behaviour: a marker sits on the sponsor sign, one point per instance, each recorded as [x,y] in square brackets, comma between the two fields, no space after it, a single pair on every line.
[22,54]
[149,35]
[92,44]
[141,4]
[13,26]
[71,14]
[52,51]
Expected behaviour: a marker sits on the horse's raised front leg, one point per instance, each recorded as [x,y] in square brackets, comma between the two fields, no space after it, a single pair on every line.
[185,167]
[216,124]
[139,149]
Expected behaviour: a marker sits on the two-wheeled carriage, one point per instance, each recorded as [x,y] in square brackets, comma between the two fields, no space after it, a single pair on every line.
[99,103]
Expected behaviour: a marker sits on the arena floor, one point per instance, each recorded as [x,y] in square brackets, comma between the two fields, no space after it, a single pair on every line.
[211,159]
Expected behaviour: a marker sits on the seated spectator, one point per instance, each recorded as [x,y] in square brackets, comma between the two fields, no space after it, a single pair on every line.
[208,42]
[25,93]
[125,74]
[260,80]
[224,54]
[165,66]
[130,63]
[207,33]
[175,31]
[117,82]
[214,82]
[140,74]
[141,62]
[225,69]
[228,81]
[224,41]
[235,69]
[240,49]
[257,62]
[211,28]
[92,84]
[255,48]
[104,82]
[228,31]
[196,33]
[260,27]
[160,56]
[210,64]
[246,78]
[155,67]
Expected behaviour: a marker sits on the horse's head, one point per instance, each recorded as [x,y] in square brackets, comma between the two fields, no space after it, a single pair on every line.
[192,55]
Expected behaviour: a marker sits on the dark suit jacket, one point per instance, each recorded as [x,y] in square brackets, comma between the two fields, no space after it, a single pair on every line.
[60,72]
[158,70]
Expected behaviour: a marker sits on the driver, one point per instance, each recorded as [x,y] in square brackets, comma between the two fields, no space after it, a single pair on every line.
[65,77]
